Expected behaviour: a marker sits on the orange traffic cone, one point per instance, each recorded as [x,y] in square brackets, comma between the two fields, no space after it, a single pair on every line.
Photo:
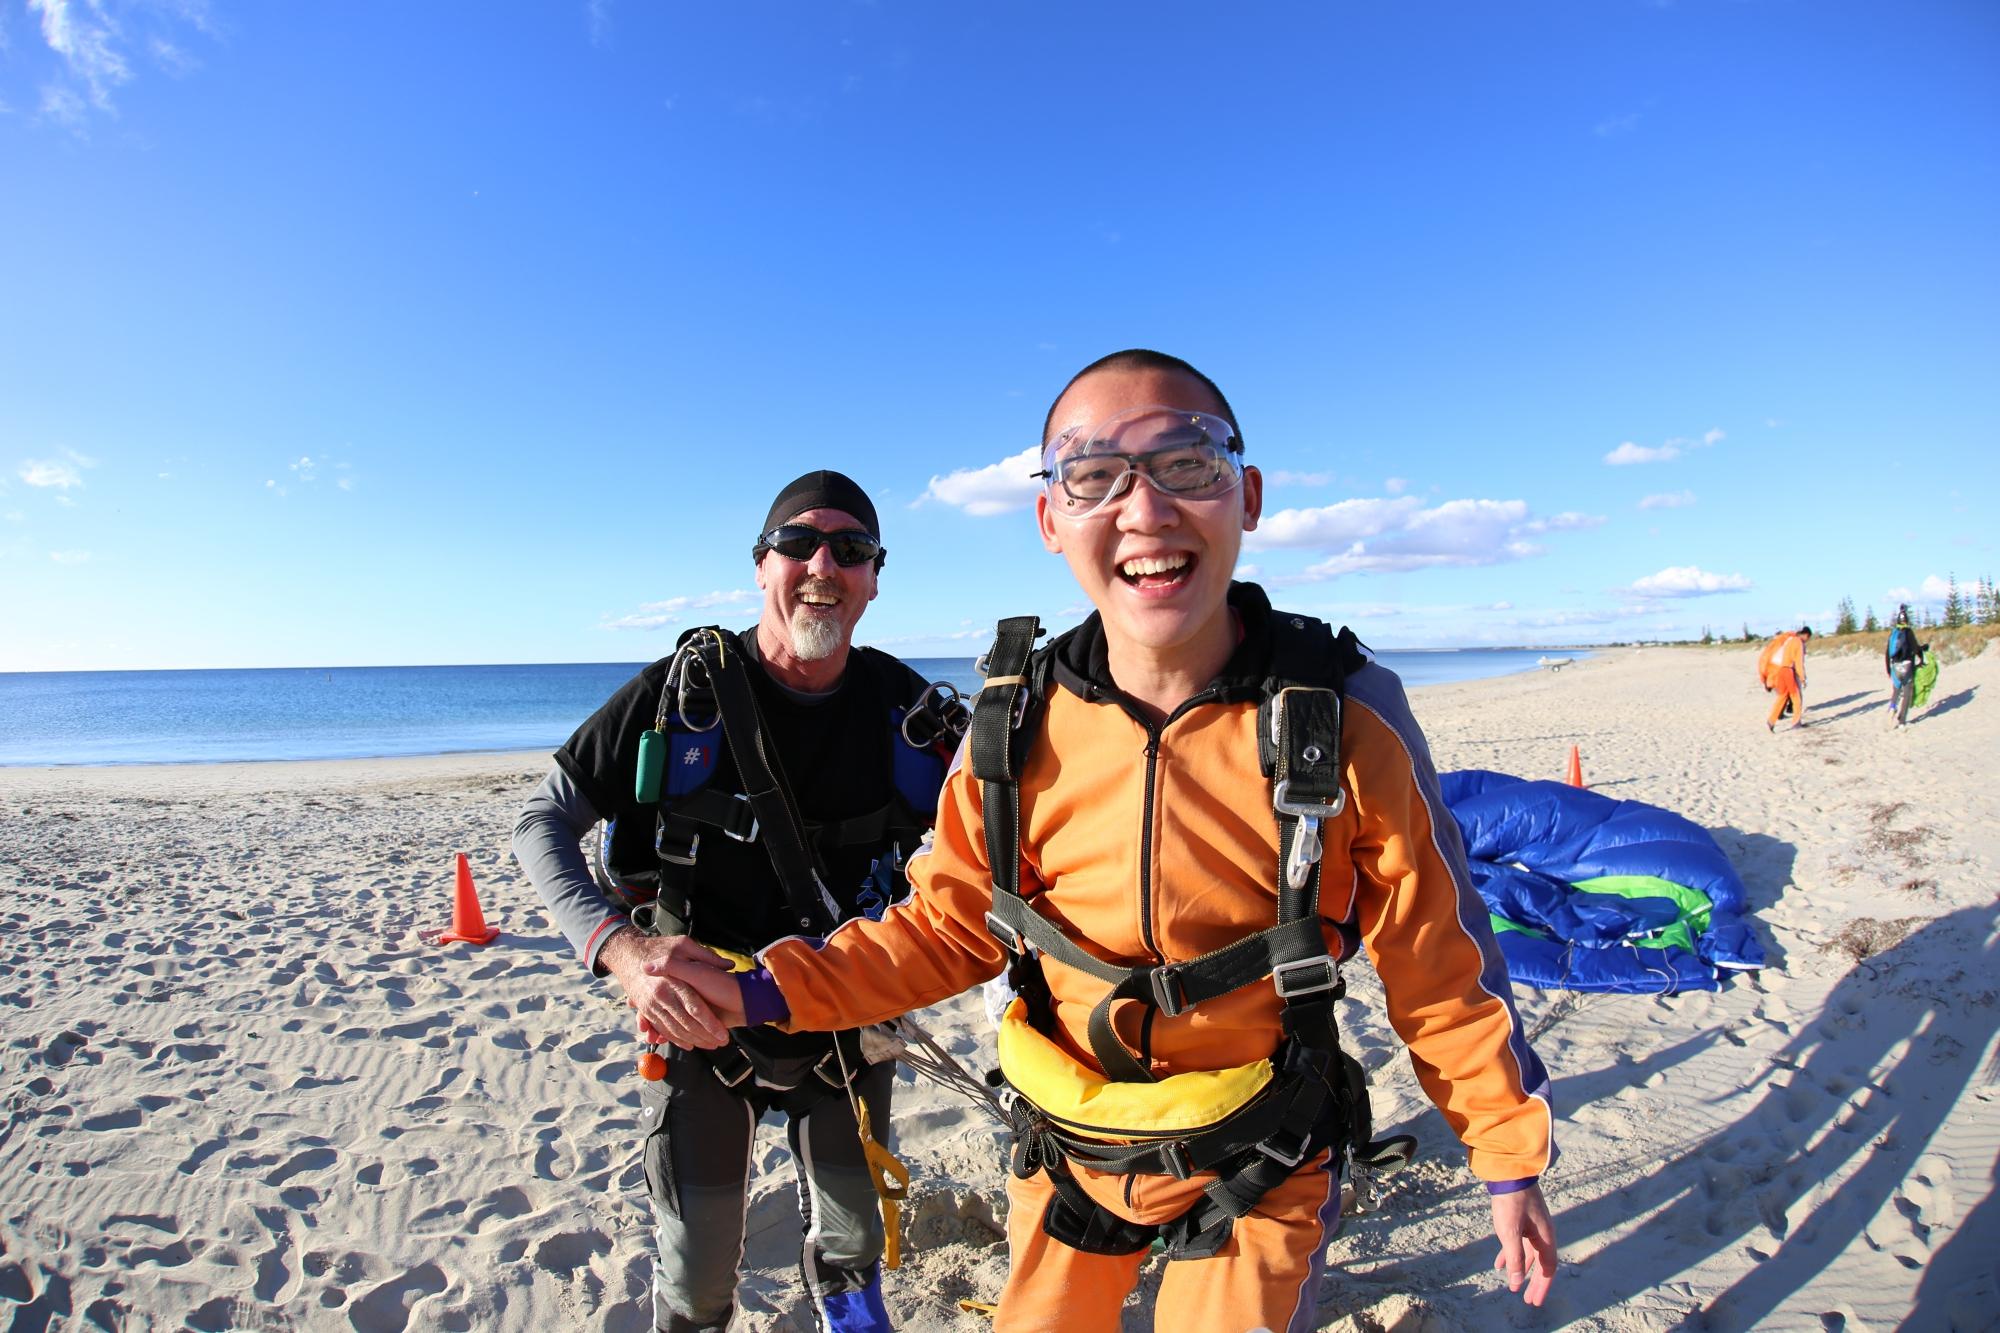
[1575,778]
[468,924]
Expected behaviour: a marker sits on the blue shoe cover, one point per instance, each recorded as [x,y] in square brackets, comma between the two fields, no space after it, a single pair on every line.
[857,1311]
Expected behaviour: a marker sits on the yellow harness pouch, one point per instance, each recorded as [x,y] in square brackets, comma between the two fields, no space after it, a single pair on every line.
[1084,1102]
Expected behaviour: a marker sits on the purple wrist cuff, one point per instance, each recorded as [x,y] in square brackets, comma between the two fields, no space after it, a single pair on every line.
[1511,1186]
[763,1002]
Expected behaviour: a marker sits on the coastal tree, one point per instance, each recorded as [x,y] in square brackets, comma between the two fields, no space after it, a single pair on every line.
[1746,633]
[1871,624]
[1707,635]
[1846,622]
[1954,604]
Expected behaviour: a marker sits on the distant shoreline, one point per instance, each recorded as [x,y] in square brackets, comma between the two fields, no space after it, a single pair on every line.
[185,718]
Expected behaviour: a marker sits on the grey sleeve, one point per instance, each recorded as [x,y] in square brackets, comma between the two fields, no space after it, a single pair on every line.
[546,835]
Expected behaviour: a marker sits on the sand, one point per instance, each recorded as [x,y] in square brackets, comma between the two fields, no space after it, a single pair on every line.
[242,1094]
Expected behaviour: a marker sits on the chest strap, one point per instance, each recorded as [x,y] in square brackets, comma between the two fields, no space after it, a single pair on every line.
[774,814]
[1298,742]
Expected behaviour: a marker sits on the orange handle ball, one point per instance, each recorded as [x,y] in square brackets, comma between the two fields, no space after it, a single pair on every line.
[652,1066]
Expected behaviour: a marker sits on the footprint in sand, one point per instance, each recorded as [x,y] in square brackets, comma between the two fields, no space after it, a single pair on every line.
[389,1306]
[204,1151]
[564,1254]
[1927,1201]
[593,1049]
[312,1159]
[419,1027]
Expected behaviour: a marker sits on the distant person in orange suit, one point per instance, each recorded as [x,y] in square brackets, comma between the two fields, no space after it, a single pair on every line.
[1785,675]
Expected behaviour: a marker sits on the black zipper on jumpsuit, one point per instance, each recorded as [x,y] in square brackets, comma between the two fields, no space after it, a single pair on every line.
[1154,735]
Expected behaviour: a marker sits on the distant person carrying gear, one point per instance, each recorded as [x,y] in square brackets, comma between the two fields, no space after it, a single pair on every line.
[1902,657]
[1786,676]
[1765,669]
[1172,826]
[754,785]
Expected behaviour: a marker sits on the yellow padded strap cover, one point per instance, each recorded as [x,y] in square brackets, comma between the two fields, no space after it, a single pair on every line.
[1074,1095]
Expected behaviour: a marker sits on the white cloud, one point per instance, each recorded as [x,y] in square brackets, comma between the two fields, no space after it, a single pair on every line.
[1669,500]
[1613,126]
[653,615]
[64,107]
[1688,581]
[1376,536]
[69,557]
[85,43]
[91,47]
[172,58]
[1567,521]
[1629,453]
[1331,525]
[1396,485]
[305,469]
[1931,592]
[57,473]
[993,489]
[1287,477]
[1666,451]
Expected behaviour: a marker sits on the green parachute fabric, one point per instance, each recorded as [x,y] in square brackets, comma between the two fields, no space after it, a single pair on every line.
[1926,679]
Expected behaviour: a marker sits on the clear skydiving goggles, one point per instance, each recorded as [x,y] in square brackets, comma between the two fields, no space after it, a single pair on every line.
[1188,455]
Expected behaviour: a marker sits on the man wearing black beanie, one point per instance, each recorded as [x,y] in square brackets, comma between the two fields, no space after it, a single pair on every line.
[693,854]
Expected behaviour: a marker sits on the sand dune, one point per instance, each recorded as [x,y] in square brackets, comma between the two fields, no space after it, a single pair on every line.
[241,1094]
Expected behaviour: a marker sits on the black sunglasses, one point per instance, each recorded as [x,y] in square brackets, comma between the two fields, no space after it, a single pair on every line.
[796,541]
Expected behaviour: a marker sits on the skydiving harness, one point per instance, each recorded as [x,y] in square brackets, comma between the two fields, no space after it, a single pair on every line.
[706,702]
[1259,1122]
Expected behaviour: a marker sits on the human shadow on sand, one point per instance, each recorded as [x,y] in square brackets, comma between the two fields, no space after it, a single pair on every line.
[1817,707]
[1765,865]
[1950,703]
[1870,703]
[1818,1150]
[1961,1286]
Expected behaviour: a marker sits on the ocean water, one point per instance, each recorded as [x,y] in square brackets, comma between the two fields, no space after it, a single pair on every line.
[173,717]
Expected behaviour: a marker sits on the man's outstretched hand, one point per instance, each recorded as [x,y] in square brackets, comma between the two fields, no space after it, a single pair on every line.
[1527,1242]
[683,993]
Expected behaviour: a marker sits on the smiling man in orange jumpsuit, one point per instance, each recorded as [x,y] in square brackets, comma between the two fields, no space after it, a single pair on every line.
[1141,839]
[1784,665]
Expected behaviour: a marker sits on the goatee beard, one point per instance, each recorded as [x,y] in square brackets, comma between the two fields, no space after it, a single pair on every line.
[814,637]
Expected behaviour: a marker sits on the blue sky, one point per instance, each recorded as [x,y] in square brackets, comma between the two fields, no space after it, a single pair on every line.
[401,333]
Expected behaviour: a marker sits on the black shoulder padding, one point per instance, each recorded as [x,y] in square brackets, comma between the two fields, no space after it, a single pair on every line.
[900,682]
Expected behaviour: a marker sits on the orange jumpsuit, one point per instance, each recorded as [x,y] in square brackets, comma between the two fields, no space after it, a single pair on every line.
[1783,664]
[1148,843]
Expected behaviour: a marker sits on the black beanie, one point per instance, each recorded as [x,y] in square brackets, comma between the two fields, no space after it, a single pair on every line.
[823,490]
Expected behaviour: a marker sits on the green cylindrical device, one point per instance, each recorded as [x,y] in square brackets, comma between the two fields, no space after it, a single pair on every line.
[652,767]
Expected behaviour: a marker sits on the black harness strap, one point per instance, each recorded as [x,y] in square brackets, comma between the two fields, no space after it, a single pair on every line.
[765,789]
[1298,738]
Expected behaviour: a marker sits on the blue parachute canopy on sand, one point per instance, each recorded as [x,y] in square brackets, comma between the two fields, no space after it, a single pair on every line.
[1588,893]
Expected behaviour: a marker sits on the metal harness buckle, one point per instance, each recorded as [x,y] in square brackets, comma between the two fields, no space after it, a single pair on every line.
[729,832]
[1165,982]
[1010,938]
[1282,974]
[679,858]
[1283,1156]
[1282,802]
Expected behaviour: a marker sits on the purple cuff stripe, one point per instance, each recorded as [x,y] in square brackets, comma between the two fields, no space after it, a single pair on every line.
[763,1002]
[1511,1186]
